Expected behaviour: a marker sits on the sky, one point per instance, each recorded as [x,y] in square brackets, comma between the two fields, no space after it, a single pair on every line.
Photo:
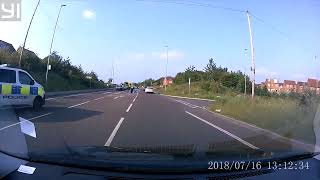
[133,34]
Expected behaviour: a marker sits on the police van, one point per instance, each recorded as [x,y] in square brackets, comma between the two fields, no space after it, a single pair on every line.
[18,88]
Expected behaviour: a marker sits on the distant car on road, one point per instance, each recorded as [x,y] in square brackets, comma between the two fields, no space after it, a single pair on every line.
[119,88]
[149,90]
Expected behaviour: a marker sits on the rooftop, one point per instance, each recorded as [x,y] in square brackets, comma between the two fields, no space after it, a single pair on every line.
[289,82]
[312,83]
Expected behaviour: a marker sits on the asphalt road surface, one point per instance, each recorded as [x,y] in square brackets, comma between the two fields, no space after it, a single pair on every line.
[124,119]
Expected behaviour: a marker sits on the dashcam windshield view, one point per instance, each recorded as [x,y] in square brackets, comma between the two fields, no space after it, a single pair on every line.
[159,89]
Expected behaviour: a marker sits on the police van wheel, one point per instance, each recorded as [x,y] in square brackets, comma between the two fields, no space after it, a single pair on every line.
[37,103]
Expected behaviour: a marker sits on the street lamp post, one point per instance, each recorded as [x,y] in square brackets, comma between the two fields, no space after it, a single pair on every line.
[245,76]
[25,39]
[165,78]
[253,66]
[54,32]
[315,58]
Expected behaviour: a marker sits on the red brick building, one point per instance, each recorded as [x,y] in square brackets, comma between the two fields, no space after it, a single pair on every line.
[289,86]
[312,84]
[301,87]
[167,81]
[292,86]
[272,85]
[280,87]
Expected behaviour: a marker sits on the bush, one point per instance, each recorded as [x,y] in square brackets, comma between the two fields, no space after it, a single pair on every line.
[205,86]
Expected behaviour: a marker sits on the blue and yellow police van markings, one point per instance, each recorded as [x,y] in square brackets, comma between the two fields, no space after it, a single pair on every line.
[8,89]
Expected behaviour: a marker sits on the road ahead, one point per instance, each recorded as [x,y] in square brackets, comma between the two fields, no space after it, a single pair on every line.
[123,119]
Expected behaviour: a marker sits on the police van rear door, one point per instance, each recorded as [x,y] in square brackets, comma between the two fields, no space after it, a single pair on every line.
[8,79]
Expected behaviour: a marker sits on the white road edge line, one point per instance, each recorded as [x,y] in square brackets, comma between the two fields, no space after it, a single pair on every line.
[224,131]
[116,97]
[114,132]
[99,98]
[78,104]
[188,98]
[37,117]
[73,95]
[129,108]
[193,105]
[187,104]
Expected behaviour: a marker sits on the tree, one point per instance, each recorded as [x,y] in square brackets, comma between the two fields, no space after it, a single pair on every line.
[190,69]
[191,73]
[262,91]
[240,87]
[230,80]
[148,82]
[210,69]
[93,76]
[179,79]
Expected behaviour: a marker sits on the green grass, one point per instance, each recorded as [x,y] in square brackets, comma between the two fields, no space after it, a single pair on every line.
[285,116]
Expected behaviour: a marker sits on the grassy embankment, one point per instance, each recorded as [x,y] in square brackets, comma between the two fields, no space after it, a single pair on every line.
[57,82]
[62,77]
[286,116]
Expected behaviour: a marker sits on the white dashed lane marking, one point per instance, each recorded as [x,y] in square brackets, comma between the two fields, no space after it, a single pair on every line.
[78,104]
[114,132]
[129,108]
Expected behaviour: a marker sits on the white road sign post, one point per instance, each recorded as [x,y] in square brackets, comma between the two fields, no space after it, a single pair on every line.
[189,85]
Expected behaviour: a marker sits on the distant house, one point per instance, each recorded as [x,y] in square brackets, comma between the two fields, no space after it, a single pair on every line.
[312,84]
[292,86]
[279,87]
[301,87]
[289,86]
[272,85]
[167,81]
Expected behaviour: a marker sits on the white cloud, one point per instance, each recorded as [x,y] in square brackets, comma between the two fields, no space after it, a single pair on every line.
[266,73]
[172,55]
[88,14]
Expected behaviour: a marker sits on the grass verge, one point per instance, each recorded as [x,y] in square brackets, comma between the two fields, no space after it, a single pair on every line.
[285,116]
